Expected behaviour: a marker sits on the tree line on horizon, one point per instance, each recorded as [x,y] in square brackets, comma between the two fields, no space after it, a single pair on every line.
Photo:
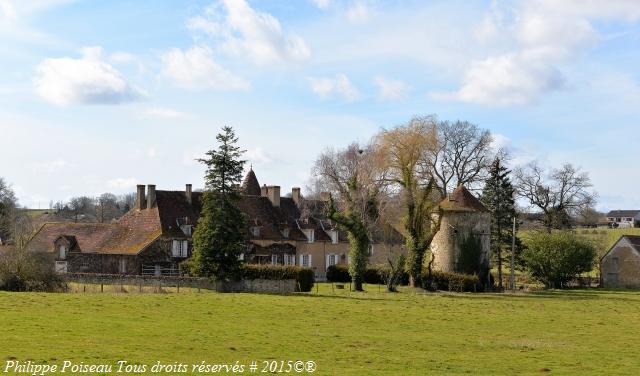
[397,178]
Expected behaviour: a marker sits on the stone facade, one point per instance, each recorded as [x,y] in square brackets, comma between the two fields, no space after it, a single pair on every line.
[620,267]
[455,226]
[462,215]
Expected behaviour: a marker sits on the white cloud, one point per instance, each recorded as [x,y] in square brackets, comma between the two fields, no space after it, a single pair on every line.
[247,33]
[122,183]
[88,80]
[152,152]
[536,38]
[339,86]
[258,156]
[52,165]
[196,69]
[164,113]
[510,79]
[389,89]
[321,4]
[359,12]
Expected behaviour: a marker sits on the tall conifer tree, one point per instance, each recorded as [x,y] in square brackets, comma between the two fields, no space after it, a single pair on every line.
[219,237]
[498,197]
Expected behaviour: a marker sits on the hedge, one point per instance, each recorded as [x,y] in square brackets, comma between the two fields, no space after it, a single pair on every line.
[304,276]
[373,275]
[450,281]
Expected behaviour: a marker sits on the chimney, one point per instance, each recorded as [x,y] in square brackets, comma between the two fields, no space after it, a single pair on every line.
[295,195]
[263,190]
[273,193]
[140,198]
[151,196]
[325,196]
[187,193]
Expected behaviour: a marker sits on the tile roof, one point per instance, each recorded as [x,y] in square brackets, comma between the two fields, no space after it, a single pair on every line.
[130,235]
[462,200]
[250,185]
[623,213]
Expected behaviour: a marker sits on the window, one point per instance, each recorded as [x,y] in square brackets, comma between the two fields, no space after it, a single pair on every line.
[180,248]
[255,231]
[289,259]
[370,249]
[186,229]
[305,260]
[61,266]
[84,262]
[62,252]
[332,259]
[285,233]
[274,259]
[334,236]
[122,266]
[310,234]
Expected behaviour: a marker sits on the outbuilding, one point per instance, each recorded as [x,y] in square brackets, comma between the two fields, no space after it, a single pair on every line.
[620,266]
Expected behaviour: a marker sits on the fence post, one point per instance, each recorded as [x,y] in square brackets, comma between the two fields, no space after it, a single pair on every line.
[101,287]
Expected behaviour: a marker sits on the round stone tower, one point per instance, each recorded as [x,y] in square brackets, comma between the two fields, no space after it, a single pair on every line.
[462,215]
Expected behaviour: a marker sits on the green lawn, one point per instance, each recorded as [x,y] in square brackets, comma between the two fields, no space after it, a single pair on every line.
[373,333]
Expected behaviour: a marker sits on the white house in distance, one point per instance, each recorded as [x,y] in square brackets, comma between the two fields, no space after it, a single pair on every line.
[624,218]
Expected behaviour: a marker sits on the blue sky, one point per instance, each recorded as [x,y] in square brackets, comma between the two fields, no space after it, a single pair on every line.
[99,96]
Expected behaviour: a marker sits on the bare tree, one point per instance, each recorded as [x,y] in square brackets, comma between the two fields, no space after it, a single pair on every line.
[107,207]
[82,206]
[8,205]
[354,181]
[558,194]
[402,152]
[462,156]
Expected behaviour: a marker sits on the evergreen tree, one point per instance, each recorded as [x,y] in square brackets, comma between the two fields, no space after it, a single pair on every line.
[498,197]
[219,237]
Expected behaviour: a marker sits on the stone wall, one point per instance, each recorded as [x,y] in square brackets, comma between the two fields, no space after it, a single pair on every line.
[258,285]
[453,229]
[621,267]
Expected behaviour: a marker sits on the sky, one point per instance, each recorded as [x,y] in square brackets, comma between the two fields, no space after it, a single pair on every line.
[98,96]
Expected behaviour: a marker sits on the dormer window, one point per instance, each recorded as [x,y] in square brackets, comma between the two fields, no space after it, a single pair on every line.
[285,233]
[334,236]
[255,231]
[310,234]
[62,252]
[186,229]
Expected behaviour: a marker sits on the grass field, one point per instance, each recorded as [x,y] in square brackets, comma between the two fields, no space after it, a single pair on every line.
[373,333]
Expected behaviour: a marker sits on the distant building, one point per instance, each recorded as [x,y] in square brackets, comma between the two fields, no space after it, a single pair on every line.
[156,235]
[624,218]
[620,266]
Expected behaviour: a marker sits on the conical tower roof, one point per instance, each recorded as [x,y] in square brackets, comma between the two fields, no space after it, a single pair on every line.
[250,185]
[462,200]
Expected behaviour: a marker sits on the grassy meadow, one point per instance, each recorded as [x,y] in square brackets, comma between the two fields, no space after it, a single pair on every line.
[586,332]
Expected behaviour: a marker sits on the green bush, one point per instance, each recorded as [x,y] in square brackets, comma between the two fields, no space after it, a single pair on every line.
[305,279]
[304,276]
[22,271]
[373,275]
[338,273]
[450,282]
[556,258]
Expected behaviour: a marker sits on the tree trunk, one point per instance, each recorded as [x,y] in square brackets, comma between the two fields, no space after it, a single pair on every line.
[357,284]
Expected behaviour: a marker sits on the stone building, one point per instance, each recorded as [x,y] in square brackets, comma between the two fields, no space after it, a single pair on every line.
[463,215]
[155,236]
[620,266]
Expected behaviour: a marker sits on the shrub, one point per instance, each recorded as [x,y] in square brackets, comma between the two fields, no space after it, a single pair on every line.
[22,271]
[451,282]
[338,273]
[555,259]
[373,275]
[304,276]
